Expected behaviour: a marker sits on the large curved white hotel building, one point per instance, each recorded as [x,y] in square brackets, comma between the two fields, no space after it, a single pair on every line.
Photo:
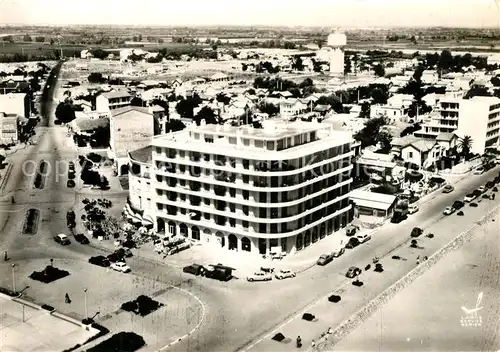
[250,189]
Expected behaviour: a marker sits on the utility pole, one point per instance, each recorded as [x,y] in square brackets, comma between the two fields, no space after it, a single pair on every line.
[86,310]
[14,277]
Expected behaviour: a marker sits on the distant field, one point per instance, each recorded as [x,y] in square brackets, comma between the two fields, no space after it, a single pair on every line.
[36,48]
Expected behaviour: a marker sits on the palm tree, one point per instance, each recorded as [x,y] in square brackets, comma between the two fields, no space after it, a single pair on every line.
[465,144]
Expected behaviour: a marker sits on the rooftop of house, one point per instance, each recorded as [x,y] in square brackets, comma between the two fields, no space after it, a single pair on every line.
[424,145]
[404,141]
[372,199]
[84,124]
[156,108]
[126,109]
[116,94]
[445,136]
[142,155]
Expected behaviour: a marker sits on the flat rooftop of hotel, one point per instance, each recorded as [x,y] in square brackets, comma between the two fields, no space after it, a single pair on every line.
[275,135]
[271,129]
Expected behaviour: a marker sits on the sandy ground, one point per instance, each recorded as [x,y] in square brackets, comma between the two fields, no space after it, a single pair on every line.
[427,316]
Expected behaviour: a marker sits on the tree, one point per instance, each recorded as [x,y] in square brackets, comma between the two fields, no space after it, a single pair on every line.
[477,92]
[39,39]
[365,110]
[174,126]
[384,138]
[185,107]
[136,101]
[207,114]
[244,67]
[269,108]
[27,38]
[369,135]
[95,77]
[65,112]
[495,81]
[298,64]
[379,70]
[465,145]
[347,64]
[418,107]
[223,98]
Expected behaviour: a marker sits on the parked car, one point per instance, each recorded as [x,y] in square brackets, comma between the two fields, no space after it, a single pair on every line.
[458,204]
[448,189]
[397,217]
[116,257]
[448,210]
[284,274]
[260,276]
[473,204]
[81,238]
[70,184]
[495,189]
[353,242]
[100,260]
[195,269]
[416,232]
[325,259]
[469,197]
[218,272]
[412,208]
[482,189]
[479,171]
[62,239]
[363,238]
[485,196]
[490,184]
[351,230]
[121,266]
[338,252]
[353,272]
[124,252]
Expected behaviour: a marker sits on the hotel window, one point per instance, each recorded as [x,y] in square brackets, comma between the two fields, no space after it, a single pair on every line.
[246,164]
[271,145]
[206,201]
[245,209]
[206,157]
[246,194]
[206,216]
[244,224]
[206,186]
[246,142]
[232,140]
[259,143]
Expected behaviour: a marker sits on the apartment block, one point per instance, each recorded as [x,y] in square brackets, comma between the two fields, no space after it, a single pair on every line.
[249,189]
[478,117]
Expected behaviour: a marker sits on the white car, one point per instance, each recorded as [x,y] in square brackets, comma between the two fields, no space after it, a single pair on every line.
[284,274]
[363,238]
[448,210]
[412,208]
[482,189]
[338,252]
[260,276]
[121,266]
[479,171]
[469,197]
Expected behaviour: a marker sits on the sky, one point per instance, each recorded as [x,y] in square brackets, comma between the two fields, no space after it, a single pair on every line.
[325,13]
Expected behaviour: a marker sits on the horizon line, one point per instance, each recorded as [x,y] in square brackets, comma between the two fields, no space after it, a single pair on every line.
[243,26]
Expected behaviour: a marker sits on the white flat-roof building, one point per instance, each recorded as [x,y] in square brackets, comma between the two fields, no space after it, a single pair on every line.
[251,189]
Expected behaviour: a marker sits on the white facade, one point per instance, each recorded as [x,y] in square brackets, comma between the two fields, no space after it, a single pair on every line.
[335,52]
[478,117]
[252,189]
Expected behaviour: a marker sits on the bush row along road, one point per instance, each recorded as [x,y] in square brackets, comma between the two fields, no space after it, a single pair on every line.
[239,313]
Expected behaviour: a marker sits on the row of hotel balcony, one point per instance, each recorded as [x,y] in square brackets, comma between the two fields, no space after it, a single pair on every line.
[263,209]
[257,165]
[246,223]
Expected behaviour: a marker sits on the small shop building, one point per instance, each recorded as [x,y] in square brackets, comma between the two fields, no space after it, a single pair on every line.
[372,203]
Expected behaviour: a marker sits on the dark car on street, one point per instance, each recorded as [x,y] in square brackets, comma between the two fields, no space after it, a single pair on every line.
[353,272]
[195,269]
[490,184]
[116,257]
[353,242]
[397,217]
[416,232]
[458,204]
[81,238]
[324,259]
[99,260]
[219,272]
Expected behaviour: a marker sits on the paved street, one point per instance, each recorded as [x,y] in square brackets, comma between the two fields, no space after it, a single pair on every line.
[422,318]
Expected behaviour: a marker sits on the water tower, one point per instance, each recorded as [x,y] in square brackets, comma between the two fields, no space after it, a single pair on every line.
[336,43]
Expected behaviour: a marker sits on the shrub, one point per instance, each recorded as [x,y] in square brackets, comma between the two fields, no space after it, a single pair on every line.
[94,157]
[130,306]
[122,341]
[48,275]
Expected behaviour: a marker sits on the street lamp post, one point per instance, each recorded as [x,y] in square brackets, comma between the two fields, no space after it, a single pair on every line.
[14,277]
[51,262]
[86,309]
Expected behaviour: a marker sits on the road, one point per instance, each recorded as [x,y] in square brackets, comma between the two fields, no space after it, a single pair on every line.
[264,306]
